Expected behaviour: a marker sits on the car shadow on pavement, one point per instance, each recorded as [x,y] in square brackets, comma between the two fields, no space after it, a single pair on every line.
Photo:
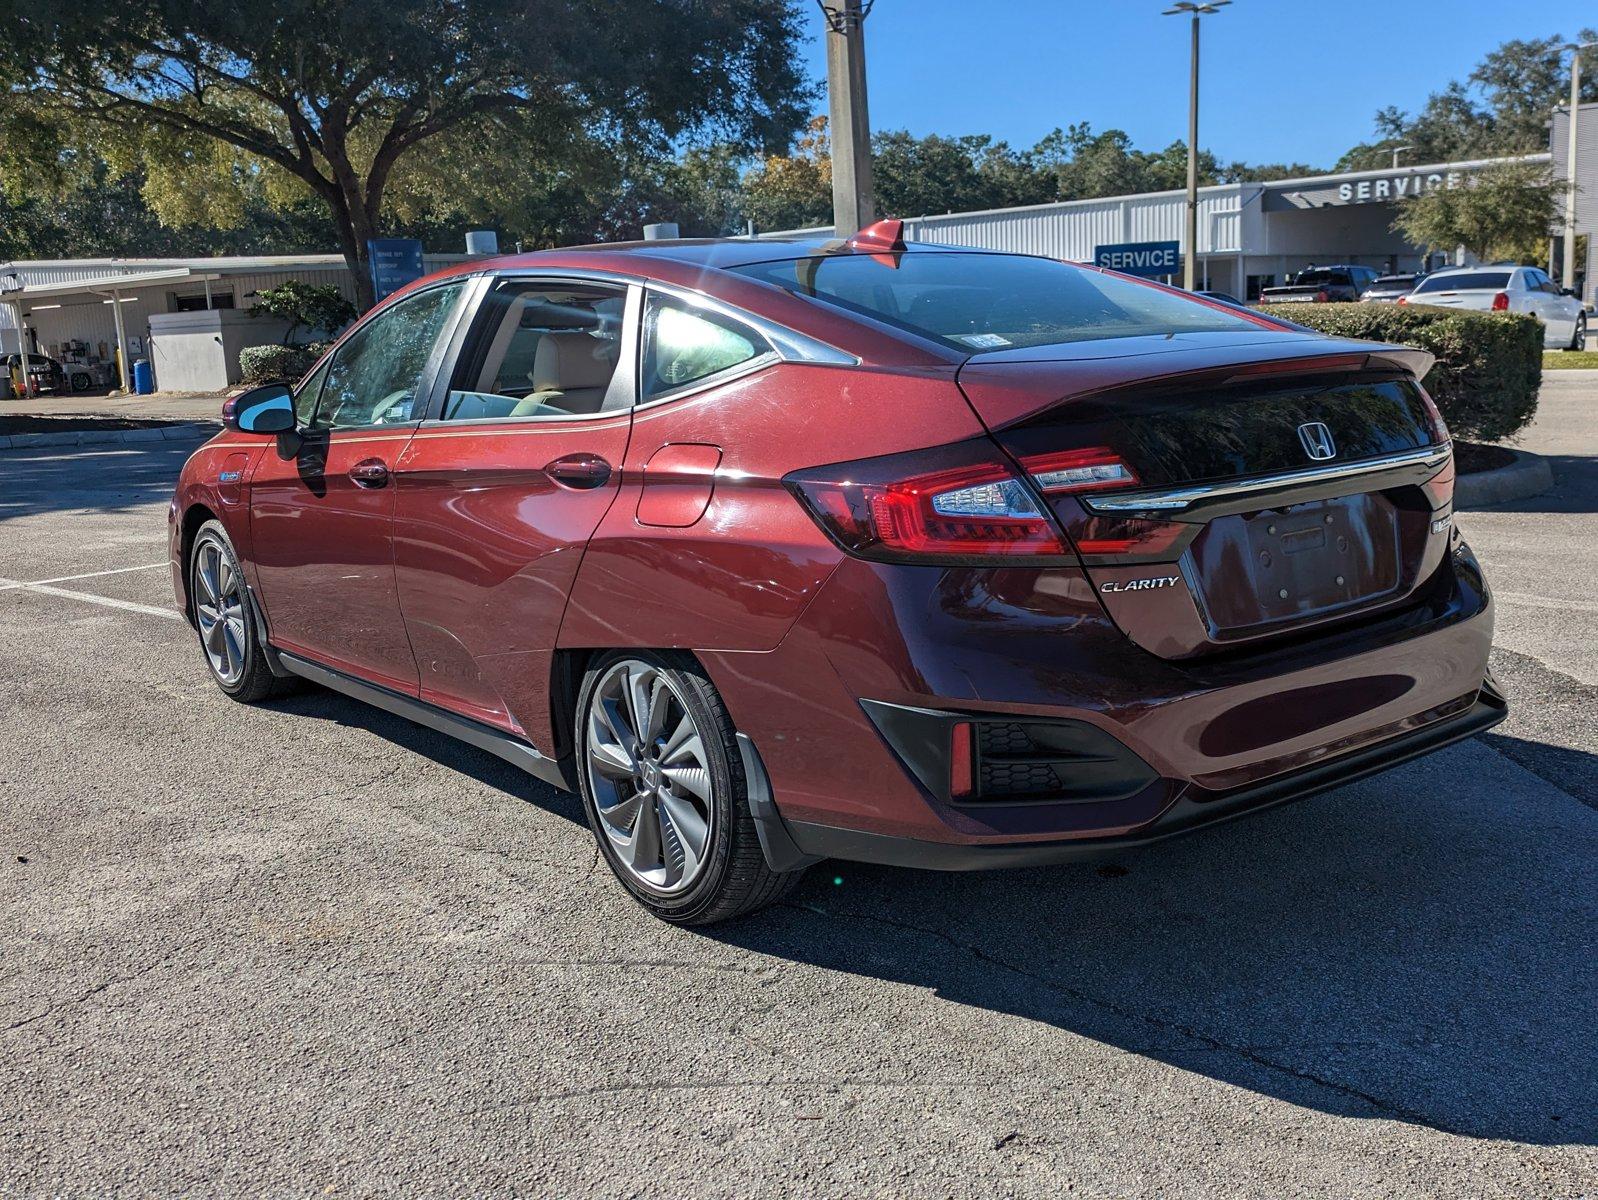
[1411,948]
[93,478]
[323,704]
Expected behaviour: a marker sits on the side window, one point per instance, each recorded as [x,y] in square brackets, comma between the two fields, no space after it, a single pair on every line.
[684,344]
[305,397]
[541,349]
[377,372]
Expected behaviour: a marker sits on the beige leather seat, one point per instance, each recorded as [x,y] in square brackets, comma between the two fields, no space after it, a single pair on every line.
[571,373]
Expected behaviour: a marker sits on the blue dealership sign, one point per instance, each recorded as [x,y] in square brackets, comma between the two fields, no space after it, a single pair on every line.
[1148,259]
[395,262]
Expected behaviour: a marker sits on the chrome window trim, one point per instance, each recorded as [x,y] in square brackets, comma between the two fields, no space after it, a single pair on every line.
[1172,499]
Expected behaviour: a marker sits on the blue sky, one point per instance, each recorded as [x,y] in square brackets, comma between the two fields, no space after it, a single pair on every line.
[1018,68]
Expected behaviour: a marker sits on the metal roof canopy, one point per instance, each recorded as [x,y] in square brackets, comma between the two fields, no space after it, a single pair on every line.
[105,285]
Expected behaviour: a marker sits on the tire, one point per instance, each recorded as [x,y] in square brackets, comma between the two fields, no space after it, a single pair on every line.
[648,798]
[80,382]
[1578,339]
[224,617]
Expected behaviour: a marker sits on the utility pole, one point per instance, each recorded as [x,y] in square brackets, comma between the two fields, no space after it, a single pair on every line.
[1190,255]
[1568,274]
[853,203]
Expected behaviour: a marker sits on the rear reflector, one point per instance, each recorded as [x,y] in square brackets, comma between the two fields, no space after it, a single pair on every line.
[962,779]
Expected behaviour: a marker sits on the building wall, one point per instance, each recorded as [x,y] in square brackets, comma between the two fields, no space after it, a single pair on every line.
[199,351]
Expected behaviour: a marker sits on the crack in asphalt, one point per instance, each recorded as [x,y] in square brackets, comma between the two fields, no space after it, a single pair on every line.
[1163,1024]
[107,984]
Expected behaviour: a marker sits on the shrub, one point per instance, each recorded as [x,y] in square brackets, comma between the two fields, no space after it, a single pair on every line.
[278,364]
[1489,365]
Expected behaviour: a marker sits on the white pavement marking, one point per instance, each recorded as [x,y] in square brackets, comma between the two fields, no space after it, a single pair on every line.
[149,610]
[85,575]
[1528,601]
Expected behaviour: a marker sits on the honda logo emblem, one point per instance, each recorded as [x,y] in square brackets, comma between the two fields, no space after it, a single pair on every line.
[1317,440]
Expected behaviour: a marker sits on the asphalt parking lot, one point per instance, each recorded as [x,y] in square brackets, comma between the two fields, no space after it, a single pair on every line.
[311,948]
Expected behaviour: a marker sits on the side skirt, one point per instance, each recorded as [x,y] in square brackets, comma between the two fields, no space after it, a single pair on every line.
[474,733]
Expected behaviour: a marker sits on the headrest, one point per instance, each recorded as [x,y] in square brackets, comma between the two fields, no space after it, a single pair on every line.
[565,361]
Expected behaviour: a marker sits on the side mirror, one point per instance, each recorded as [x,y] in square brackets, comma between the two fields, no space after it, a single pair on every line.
[266,409]
[1567,291]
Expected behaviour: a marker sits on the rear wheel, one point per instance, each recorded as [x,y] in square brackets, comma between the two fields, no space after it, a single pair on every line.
[1578,340]
[664,790]
[225,618]
[80,382]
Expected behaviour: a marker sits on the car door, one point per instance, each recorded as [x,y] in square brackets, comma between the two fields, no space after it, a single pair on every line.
[322,502]
[502,485]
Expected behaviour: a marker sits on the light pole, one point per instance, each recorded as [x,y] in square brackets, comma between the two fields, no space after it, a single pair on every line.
[1397,150]
[853,205]
[1190,259]
[1568,274]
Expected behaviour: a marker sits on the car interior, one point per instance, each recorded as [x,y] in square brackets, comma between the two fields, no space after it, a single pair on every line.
[540,351]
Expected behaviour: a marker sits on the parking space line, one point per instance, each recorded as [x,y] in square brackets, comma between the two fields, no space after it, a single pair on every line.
[150,610]
[86,575]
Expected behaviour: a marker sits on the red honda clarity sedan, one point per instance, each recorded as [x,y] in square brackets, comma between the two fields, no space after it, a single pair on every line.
[794,549]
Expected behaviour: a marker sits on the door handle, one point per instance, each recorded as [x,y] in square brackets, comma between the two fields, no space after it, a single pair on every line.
[370,473]
[580,472]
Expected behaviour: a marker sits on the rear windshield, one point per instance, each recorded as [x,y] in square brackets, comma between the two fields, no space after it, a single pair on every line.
[1468,281]
[1306,278]
[982,302]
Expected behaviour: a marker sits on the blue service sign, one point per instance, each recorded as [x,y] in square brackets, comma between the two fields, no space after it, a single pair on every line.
[395,262]
[1149,259]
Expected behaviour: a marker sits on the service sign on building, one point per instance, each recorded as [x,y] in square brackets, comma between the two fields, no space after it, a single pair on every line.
[395,262]
[1151,260]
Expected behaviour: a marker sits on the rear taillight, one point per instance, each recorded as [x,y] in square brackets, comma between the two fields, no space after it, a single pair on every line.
[1321,297]
[1501,302]
[1067,472]
[1434,415]
[949,504]
[1403,299]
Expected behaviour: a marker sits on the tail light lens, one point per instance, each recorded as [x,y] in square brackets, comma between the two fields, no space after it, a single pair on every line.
[1069,472]
[963,504]
[1321,297]
[951,504]
[1501,302]
[1403,299]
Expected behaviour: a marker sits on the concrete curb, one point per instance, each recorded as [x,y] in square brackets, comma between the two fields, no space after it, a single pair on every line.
[1529,475]
[187,431]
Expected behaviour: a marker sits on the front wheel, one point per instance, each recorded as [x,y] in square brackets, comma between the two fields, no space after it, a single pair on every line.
[1578,340]
[224,616]
[664,790]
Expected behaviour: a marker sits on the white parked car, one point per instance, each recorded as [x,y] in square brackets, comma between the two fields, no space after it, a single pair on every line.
[1509,289]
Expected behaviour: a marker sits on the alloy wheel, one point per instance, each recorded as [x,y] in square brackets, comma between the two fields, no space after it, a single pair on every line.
[219,608]
[1580,341]
[649,776]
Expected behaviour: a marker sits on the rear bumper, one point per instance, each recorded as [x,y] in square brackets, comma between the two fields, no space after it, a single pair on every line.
[1192,809]
[1218,738]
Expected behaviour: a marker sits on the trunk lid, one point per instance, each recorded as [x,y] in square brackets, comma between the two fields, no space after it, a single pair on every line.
[1234,492]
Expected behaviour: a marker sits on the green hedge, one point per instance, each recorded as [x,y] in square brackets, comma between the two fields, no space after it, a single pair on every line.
[1489,365]
[278,364]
